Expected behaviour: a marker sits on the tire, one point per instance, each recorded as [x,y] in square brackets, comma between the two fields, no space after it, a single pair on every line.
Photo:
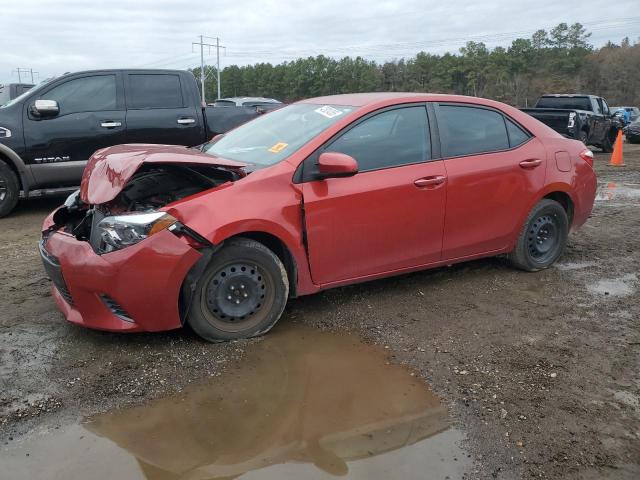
[583,137]
[9,189]
[543,237]
[241,293]
[607,144]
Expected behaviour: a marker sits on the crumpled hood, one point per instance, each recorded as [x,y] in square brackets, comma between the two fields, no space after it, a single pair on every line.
[108,170]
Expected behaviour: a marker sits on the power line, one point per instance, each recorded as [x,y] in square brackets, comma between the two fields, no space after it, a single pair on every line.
[21,70]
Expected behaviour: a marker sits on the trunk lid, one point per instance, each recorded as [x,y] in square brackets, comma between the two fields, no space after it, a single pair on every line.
[109,169]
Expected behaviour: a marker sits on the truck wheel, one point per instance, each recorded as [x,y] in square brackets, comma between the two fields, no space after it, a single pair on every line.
[242,292]
[543,237]
[9,189]
[583,137]
[607,144]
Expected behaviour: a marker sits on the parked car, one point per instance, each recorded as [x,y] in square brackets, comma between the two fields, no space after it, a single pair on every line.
[48,134]
[632,113]
[247,102]
[584,117]
[13,90]
[632,131]
[321,193]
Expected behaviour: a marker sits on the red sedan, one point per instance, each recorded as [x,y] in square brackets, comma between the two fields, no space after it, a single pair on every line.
[325,192]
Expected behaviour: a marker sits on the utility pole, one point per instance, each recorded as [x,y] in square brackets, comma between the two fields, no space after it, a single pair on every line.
[202,75]
[21,70]
[218,63]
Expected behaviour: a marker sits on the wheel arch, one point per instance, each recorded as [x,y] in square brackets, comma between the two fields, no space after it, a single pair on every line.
[282,251]
[565,200]
[15,163]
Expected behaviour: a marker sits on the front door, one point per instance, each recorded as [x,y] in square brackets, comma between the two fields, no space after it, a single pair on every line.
[387,217]
[91,116]
[494,171]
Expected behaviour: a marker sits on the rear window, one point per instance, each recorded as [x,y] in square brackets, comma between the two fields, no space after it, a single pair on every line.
[154,91]
[471,130]
[565,103]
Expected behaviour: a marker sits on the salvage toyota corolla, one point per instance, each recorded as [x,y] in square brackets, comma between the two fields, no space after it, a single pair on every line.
[325,192]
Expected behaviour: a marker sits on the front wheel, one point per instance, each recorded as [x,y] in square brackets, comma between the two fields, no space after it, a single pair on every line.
[241,294]
[543,237]
[9,189]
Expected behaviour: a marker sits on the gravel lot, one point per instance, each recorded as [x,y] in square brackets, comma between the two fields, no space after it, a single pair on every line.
[541,371]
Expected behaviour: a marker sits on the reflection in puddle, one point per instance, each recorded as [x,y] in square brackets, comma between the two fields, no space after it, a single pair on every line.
[303,404]
[615,191]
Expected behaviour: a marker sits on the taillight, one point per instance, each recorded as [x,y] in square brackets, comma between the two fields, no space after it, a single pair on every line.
[587,156]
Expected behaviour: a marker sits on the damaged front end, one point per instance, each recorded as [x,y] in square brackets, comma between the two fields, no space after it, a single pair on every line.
[120,201]
[117,259]
[134,214]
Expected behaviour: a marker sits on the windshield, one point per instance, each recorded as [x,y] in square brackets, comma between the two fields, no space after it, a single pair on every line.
[28,92]
[565,103]
[274,136]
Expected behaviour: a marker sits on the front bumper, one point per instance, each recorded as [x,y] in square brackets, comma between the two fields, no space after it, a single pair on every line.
[135,289]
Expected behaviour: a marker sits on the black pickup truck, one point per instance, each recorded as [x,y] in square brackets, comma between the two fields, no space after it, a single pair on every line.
[48,133]
[583,117]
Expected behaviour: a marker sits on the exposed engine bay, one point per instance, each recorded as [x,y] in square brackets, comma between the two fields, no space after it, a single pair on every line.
[152,187]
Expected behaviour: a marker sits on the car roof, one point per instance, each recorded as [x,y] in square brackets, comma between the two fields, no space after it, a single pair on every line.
[364,99]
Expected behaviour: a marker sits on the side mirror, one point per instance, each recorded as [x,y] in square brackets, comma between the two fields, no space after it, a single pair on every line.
[334,164]
[216,137]
[45,108]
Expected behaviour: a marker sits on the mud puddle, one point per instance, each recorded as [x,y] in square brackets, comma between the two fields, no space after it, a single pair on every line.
[621,286]
[618,191]
[303,404]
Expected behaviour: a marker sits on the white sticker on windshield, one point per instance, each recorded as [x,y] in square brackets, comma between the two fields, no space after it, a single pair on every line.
[328,111]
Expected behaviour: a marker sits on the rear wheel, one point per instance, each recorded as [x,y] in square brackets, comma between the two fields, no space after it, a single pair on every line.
[543,237]
[607,143]
[9,189]
[242,292]
[583,137]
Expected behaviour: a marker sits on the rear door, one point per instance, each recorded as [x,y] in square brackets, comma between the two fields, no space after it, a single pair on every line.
[494,170]
[91,116]
[159,110]
[387,217]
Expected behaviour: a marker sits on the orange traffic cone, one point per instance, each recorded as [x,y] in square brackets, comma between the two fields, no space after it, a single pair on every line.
[617,159]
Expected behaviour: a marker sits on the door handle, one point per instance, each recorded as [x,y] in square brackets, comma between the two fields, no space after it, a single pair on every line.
[186,121]
[531,163]
[110,124]
[430,181]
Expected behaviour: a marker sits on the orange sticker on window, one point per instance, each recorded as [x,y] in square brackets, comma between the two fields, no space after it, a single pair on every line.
[278,147]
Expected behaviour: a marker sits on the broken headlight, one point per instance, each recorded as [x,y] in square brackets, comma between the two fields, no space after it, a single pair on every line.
[122,231]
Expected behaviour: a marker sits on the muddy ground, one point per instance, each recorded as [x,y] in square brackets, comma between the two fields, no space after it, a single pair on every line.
[541,371]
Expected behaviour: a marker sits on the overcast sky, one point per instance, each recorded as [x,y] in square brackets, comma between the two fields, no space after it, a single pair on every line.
[56,36]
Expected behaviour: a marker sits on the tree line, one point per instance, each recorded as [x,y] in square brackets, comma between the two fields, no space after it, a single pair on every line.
[560,60]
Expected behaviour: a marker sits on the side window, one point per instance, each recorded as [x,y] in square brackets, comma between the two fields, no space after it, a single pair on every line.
[517,136]
[85,94]
[598,105]
[389,139]
[154,91]
[471,130]
[605,108]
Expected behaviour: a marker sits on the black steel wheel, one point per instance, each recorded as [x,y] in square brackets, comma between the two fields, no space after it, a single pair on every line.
[9,189]
[543,237]
[241,293]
